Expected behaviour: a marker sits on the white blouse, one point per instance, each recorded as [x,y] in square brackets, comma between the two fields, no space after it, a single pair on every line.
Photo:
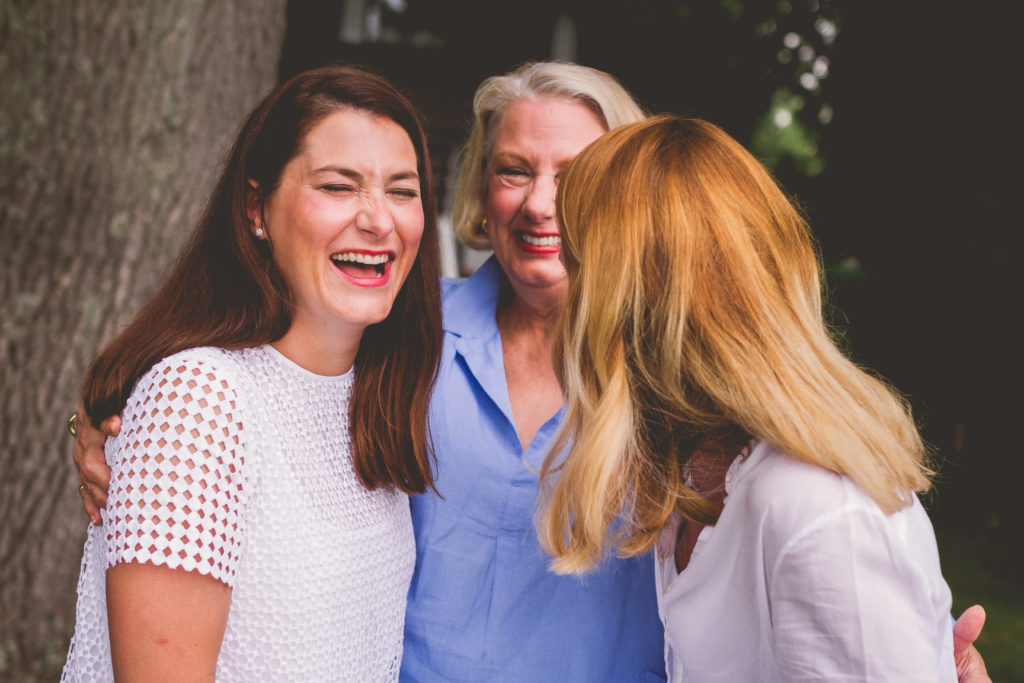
[804,578]
[237,465]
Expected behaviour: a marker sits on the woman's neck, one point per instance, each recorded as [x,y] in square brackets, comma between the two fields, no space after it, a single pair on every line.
[527,336]
[520,319]
[327,354]
[532,306]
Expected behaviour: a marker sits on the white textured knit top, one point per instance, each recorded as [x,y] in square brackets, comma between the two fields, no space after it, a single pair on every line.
[237,464]
[804,578]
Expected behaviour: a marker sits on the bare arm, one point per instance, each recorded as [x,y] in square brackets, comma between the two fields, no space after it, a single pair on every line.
[174,525]
[165,624]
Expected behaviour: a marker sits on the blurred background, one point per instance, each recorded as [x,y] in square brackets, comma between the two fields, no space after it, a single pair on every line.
[894,125]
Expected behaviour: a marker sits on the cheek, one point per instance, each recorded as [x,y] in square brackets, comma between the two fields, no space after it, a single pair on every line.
[502,202]
[302,222]
[410,231]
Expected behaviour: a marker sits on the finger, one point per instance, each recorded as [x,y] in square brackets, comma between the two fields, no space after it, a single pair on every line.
[77,453]
[88,435]
[81,427]
[89,455]
[111,426]
[968,627]
[89,504]
[83,418]
[88,439]
[96,475]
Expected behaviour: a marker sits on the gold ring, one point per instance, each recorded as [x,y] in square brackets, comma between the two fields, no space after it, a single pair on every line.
[71,423]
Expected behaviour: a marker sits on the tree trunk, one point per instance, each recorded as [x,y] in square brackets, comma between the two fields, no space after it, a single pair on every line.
[116,116]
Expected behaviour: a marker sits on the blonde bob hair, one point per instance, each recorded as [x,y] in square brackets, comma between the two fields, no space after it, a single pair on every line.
[594,89]
[694,317]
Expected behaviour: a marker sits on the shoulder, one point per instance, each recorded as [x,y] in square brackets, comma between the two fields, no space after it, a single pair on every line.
[184,420]
[195,384]
[183,426]
[200,357]
[187,402]
[774,479]
[194,368]
[789,498]
[801,508]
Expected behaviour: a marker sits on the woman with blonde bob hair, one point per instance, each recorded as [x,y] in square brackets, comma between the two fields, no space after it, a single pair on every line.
[597,91]
[710,415]
[483,605]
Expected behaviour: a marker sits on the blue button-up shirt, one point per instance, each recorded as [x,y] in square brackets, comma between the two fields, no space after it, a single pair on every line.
[483,605]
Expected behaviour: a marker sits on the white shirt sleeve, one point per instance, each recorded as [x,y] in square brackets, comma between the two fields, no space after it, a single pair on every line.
[851,598]
[177,471]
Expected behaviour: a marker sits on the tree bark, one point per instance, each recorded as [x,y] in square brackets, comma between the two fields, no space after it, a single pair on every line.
[116,117]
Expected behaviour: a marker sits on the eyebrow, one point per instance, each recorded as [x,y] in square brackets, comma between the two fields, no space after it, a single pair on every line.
[508,153]
[358,177]
[523,159]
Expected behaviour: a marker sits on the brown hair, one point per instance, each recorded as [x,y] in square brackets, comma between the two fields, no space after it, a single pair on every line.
[711,330]
[225,290]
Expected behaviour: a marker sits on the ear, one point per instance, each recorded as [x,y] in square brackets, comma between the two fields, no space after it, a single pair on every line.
[254,204]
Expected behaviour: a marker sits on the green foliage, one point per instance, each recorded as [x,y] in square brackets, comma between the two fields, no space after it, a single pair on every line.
[781,134]
[733,7]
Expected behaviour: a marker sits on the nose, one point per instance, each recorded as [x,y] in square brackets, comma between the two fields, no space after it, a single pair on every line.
[374,217]
[539,205]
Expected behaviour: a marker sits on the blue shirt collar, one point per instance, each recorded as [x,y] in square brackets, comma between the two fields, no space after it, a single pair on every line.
[471,309]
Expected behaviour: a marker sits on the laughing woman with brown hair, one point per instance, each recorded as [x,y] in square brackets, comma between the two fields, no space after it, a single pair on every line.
[711,416]
[274,413]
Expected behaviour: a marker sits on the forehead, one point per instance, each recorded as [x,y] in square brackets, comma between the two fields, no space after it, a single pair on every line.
[546,127]
[354,134]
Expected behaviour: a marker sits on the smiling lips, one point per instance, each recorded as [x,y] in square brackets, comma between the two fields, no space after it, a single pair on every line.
[539,243]
[364,268]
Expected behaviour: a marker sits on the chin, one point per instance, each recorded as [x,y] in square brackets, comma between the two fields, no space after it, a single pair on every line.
[545,275]
[376,317]
[349,318]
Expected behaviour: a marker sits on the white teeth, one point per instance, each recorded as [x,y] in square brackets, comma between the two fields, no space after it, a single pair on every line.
[364,259]
[541,241]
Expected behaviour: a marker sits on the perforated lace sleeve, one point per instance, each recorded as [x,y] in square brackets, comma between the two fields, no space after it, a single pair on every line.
[177,470]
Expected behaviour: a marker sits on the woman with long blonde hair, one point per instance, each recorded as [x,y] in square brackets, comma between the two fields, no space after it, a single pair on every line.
[710,415]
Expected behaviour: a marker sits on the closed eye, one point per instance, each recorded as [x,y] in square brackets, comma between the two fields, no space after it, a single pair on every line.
[337,188]
[404,193]
[513,175]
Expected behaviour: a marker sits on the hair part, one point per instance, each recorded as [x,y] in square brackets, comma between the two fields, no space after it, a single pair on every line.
[225,290]
[596,90]
[713,334]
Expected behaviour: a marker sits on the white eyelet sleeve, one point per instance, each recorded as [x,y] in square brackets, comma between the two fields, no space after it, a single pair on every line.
[177,471]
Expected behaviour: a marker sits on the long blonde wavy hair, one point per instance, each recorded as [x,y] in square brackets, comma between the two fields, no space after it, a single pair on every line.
[596,90]
[694,316]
